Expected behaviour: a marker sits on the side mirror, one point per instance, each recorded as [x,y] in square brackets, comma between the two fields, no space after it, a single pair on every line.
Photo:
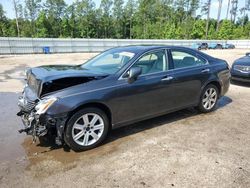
[248,54]
[133,74]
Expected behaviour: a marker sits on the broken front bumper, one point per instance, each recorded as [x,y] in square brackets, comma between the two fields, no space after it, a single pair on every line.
[30,119]
[39,125]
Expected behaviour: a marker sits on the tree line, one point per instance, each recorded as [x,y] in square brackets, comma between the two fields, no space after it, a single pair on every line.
[143,19]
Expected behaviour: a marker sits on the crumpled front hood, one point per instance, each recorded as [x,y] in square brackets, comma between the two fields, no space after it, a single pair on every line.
[52,72]
[51,78]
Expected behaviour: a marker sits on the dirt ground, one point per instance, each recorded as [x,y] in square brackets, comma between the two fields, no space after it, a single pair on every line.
[181,149]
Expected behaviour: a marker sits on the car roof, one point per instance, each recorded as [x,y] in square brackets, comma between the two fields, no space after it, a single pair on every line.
[144,48]
[140,49]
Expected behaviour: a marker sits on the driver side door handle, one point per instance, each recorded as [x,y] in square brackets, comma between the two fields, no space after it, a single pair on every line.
[167,78]
[205,70]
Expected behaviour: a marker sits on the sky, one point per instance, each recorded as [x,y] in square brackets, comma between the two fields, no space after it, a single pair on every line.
[8,7]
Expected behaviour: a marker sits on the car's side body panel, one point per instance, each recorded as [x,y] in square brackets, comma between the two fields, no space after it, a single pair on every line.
[149,96]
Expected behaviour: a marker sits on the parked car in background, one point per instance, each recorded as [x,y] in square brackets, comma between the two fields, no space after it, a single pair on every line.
[212,45]
[240,70]
[200,46]
[80,104]
[215,46]
[228,46]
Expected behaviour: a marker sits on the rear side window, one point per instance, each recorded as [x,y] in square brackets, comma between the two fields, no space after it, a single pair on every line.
[184,59]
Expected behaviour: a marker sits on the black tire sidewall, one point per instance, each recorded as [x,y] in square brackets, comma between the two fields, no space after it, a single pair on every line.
[201,107]
[68,130]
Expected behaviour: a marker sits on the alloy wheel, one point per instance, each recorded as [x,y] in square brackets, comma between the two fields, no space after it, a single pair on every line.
[88,129]
[209,98]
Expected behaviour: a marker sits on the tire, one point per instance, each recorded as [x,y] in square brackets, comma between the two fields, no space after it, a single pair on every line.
[208,99]
[81,134]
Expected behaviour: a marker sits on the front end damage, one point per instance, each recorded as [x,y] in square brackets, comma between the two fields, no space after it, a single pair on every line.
[36,122]
[37,98]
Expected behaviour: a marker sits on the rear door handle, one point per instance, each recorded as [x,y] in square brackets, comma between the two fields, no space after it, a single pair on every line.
[205,70]
[168,78]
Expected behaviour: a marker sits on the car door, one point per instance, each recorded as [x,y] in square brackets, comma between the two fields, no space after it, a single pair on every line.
[190,73]
[149,94]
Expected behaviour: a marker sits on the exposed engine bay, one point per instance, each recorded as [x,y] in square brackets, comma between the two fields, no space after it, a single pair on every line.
[62,83]
[33,102]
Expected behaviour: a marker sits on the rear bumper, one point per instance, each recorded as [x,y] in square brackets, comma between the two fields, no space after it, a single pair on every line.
[224,78]
[225,88]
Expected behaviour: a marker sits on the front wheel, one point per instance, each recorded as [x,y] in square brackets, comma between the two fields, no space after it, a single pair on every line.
[208,99]
[86,129]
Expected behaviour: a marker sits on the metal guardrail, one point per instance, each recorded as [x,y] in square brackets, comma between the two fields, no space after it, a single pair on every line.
[14,45]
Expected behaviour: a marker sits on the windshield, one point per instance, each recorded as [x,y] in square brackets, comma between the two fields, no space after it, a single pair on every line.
[108,62]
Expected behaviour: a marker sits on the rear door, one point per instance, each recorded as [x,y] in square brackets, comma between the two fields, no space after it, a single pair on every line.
[190,72]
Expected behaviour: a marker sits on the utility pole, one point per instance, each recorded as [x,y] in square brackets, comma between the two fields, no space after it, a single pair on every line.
[228,8]
[234,10]
[218,16]
[17,24]
[208,16]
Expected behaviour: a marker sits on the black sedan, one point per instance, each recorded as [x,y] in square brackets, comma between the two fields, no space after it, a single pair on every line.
[80,104]
[241,69]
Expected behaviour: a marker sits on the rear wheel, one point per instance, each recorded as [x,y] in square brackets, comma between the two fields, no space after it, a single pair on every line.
[86,129]
[209,98]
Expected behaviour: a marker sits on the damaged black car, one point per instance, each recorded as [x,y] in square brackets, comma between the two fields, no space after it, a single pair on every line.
[80,104]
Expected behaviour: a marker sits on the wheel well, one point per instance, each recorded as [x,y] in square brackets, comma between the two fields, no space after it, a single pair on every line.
[101,106]
[217,84]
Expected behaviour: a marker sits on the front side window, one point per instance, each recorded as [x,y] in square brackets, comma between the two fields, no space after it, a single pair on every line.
[184,59]
[153,62]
